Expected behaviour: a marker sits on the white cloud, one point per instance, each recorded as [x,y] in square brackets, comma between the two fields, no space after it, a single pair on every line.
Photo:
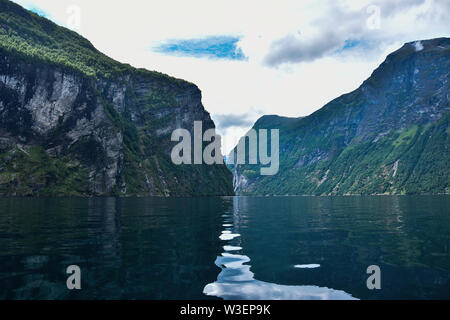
[295,59]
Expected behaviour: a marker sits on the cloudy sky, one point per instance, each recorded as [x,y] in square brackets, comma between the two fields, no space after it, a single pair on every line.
[251,58]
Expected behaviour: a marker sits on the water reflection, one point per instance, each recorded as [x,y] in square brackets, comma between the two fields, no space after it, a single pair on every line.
[236,280]
[307,266]
[268,247]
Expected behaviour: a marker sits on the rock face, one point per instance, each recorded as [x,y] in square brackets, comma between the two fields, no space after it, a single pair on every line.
[66,132]
[390,136]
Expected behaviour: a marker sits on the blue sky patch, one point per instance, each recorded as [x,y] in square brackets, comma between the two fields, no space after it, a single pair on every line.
[354,44]
[349,44]
[220,47]
[38,11]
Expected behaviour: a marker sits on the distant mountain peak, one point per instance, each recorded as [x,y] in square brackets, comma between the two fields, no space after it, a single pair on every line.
[389,136]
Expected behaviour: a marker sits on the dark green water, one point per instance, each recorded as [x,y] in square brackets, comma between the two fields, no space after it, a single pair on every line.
[238,248]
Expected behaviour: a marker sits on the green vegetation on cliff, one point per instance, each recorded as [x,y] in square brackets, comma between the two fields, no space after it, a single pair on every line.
[34,38]
[390,136]
[74,122]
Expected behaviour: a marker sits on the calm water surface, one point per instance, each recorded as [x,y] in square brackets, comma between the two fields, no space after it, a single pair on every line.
[229,248]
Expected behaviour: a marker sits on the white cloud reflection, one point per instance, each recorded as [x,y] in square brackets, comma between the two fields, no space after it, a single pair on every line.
[237,282]
[307,266]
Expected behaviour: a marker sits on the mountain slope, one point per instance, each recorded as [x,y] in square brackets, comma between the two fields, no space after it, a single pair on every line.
[390,136]
[75,122]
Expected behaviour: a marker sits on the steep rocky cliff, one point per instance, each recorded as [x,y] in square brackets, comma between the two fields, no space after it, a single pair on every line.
[75,122]
[390,136]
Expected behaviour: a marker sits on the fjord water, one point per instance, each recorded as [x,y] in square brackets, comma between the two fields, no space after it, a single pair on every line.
[229,248]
